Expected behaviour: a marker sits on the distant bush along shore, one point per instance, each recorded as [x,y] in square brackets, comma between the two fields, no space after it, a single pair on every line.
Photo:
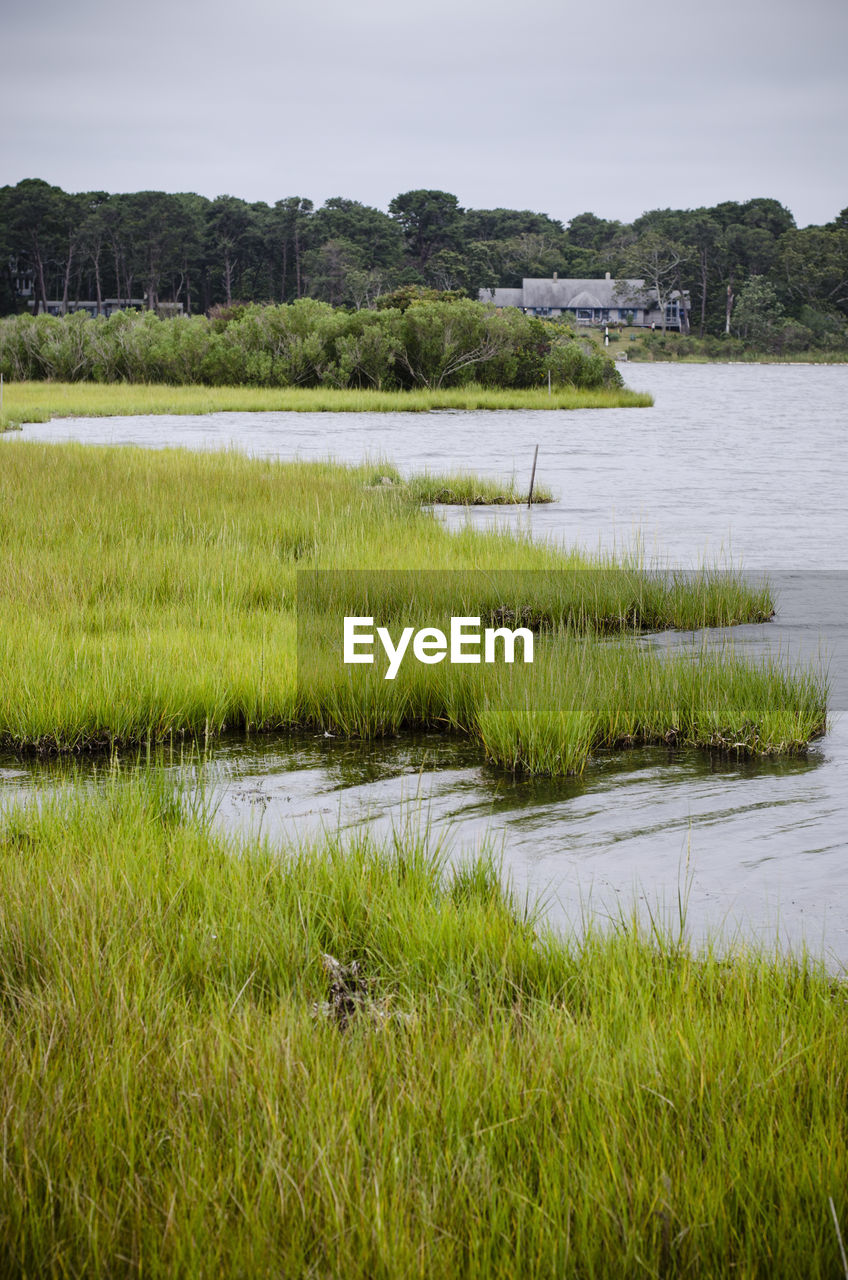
[431,346]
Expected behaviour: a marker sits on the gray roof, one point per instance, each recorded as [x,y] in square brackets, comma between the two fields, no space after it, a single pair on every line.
[503,297]
[582,293]
[568,295]
[585,299]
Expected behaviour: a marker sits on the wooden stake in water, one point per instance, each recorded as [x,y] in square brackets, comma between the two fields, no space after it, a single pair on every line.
[549,382]
[532,478]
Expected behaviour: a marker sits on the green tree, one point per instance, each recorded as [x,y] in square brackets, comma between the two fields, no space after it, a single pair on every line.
[448,270]
[729,242]
[118,221]
[257,272]
[332,270]
[407,295]
[504,224]
[588,231]
[813,263]
[702,232]
[430,220]
[760,214]
[228,228]
[656,260]
[92,233]
[35,221]
[288,232]
[188,261]
[758,312]
[151,221]
[698,229]
[443,343]
[376,236]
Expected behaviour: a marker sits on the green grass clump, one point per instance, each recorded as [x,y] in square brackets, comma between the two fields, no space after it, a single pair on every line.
[41,401]
[461,489]
[150,593]
[578,697]
[543,1106]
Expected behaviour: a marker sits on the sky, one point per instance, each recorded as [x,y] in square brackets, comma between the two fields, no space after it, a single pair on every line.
[559,106]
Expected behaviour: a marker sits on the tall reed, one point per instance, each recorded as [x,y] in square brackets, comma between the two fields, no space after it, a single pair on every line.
[502,1101]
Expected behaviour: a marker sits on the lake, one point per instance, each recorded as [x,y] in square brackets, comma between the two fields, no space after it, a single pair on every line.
[738,464]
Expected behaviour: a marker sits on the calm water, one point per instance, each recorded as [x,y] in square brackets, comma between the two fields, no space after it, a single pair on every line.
[744,464]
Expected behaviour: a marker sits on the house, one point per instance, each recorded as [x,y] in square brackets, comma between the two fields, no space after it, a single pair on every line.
[54,306]
[22,279]
[604,301]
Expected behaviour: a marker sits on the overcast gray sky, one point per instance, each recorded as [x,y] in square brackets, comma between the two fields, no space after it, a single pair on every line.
[615,106]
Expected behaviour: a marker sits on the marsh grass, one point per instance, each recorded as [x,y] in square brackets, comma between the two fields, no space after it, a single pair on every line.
[578,697]
[152,594]
[41,401]
[459,488]
[169,1105]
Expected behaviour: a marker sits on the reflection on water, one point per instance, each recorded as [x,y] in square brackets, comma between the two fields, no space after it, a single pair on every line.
[743,461]
[758,841]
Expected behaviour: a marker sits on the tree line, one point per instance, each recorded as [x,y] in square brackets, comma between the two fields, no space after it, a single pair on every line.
[747,267]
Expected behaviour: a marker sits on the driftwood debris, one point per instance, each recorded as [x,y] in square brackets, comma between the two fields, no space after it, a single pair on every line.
[349,997]
[348,992]
[524,617]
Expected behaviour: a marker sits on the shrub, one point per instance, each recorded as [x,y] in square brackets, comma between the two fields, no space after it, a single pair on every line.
[437,342]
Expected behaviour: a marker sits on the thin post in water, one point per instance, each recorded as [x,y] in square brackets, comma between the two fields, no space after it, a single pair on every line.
[532,478]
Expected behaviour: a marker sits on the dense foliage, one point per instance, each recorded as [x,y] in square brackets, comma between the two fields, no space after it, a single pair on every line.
[183,249]
[430,344]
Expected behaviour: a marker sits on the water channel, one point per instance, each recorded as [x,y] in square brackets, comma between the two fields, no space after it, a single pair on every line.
[736,464]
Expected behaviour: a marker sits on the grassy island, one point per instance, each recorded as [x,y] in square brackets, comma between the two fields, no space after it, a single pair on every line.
[41,401]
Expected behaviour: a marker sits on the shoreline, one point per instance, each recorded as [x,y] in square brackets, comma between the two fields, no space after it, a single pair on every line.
[40,401]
